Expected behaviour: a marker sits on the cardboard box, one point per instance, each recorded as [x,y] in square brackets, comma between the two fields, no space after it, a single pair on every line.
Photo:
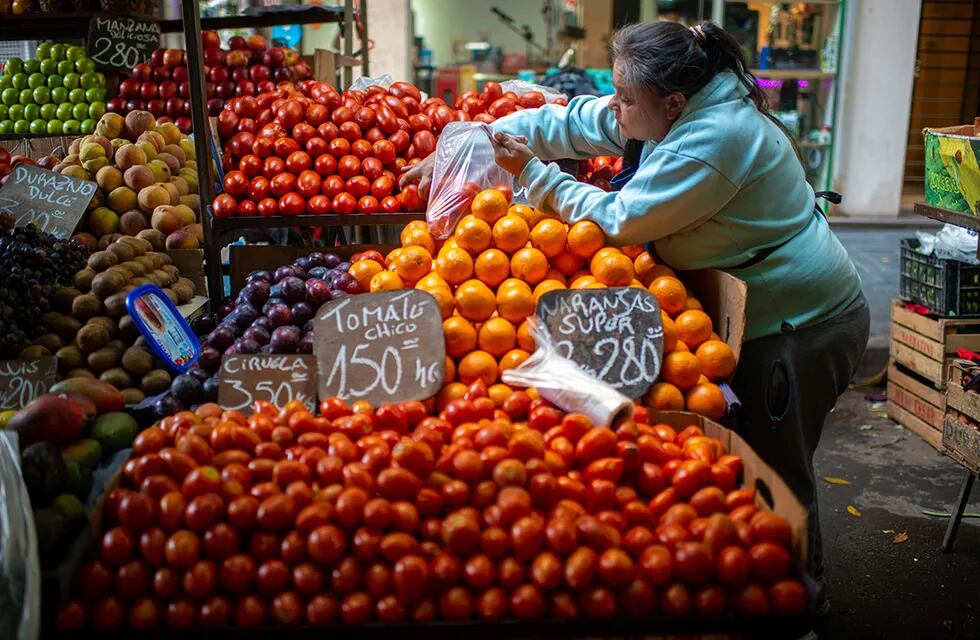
[191,265]
[772,492]
[248,258]
[723,297]
[961,434]
[36,148]
[952,168]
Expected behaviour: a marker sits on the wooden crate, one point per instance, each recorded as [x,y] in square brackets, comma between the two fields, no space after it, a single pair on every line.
[915,404]
[926,344]
[961,435]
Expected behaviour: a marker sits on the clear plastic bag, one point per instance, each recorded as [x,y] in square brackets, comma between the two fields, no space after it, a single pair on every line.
[950,243]
[464,165]
[364,82]
[20,569]
[520,87]
[563,382]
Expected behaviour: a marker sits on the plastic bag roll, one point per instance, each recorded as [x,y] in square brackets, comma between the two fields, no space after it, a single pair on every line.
[562,382]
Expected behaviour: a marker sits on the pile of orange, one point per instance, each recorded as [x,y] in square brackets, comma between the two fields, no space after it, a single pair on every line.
[489,275]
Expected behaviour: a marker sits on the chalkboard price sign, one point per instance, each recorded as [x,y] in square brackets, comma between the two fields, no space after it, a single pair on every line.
[121,42]
[380,347]
[614,334]
[55,203]
[23,380]
[272,377]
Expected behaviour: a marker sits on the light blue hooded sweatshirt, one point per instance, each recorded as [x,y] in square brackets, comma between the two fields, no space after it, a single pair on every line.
[723,184]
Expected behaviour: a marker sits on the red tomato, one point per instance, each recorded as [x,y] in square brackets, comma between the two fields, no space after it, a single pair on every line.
[117,546]
[250,612]
[201,579]
[224,206]
[770,561]
[272,166]
[531,100]
[368,204]
[284,147]
[332,186]
[424,142]
[277,513]
[281,184]
[752,601]
[348,166]
[236,182]
[361,149]
[132,580]
[358,186]
[788,598]
[328,131]
[204,511]
[107,614]
[308,183]
[292,204]
[298,161]
[768,526]
[259,188]
[247,208]
[339,147]
[400,140]
[350,131]
[237,573]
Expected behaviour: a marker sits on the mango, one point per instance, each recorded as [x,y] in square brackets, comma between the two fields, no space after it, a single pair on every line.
[49,418]
[114,431]
[106,397]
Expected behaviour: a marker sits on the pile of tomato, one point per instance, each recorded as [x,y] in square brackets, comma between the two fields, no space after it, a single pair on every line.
[599,171]
[393,514]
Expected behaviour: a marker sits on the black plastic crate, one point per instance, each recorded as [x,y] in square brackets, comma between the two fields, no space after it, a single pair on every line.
[947,287]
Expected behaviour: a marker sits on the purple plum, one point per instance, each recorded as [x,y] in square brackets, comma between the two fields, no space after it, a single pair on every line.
[245,315]
[257,292]
[267,348]
[306,343]
[280,315]
[199,373]
[336,294]
[284,272]
[258,275]
[258,334]
[271,302]
[293,289]
[210,359]
[211,389]
[226,308]
[317,259]
[205,324]
[348,283]
[246,346]
[262,323]
[222,337]
[302,312]
[308,327]
[317,292]
[167,405]
[303,262]
[285,339]
[317,272]
[231,351]
[331,260]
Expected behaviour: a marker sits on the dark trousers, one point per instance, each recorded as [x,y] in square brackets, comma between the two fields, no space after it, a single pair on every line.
[787,385]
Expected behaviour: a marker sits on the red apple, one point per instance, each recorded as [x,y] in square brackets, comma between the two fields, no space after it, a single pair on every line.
[172,57]
[238,74]
[274,57]
[129,89]
[175,107]
[237,42]
[135,105]
[161,73]
[116,105]
[214,106]
[148,90]
[210,40]
[282,74]
[291,56]
[208,90]
[157,107]
[184,124]
[218,75]
[214,57]
[259,72]
[141,72]
[156,58]
[257,43]
[184,90]
[265,86]
[180,74]
[168,89]
[46,162]
[225,90]
[236,58]
[245,88]
[186,111]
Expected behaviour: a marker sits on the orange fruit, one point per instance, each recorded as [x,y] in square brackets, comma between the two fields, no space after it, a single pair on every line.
[444,298]
[431,281]
[545,286]
[510,283]
[633,251]
[525,212]
[529,264]
[693,327]
[717,359]
[583,282]
[670,332]
[513,358]
[585,238]
[386,281]
[548,236]
[392,256]
[477,365]
[664,396]
[555,274]
[636,284]
[567,262]
[454,265]
[681,369]
[515,303]
[452,391]
[510,233]
[497,336]
[594,285]
[492,267]
[671,294]
[413,263]
[489,205]
[613,269]
[693,303]
[473,234]
[449,371]
[499,393]
[363,271]
[657,271]
[475,301]
[702,379]
[416,233]
[642,264]
[715,336]
[680,345]
[537,215]
[706,400]
[524,339]
[460,336]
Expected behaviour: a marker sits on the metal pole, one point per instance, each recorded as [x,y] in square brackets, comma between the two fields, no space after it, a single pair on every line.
[348,41]
[365,63]
[202,132]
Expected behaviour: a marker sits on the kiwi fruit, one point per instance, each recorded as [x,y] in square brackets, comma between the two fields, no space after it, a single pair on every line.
[50,341]
[147,262]
[106,284]
[122,250]
[124,270]
[165,258]
[153,279]
[127,328]
[66,327]
[49,318]
[63,297]
[165,278]
[83,279]
[155,382]
[172,270]
[86,305]
[70,357]
[33,352]
[158,258]
[92,337]
[102,260]
[136,268]
[138,246]
[117,377]
[133,396]
[154,239]
[115,305]
[103,359]
[140,343]
[80,372]
[184,289]
[170,293]
[116,343]
[106,240]
[137,361]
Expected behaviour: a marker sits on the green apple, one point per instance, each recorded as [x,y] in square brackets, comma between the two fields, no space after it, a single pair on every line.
[9,96]
[76,96]
[14,65]
[36,80]
[42,95]
[38,126]
[49,111]
[49,66]
[6,126]
[89,80]
[3,111]
[84,65]
[88,126]
[75,53]
[65,67]
[64,111]
[72,80]
[32,112]
[96,110]
[19,81]
[71,126]
[59,95]
[22,126]
[95,94]
[58,51]
[80,111]
[55,81]
[54,127]
[6,82]
[15,112]
[44,50]
[32,66]
[26,96]
[100,77]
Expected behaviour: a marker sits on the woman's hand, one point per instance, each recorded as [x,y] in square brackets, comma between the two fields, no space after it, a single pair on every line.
[421,171]
[512,153]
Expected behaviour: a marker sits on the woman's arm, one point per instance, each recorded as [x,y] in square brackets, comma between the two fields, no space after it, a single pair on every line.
[586,128]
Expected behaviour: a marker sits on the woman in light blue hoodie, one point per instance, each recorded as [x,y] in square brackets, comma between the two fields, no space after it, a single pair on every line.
[711,179]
